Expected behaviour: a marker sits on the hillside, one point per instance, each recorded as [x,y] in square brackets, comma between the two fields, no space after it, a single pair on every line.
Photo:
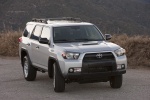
[111,16]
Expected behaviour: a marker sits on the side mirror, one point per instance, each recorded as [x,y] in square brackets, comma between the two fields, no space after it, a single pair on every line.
[108,36]
[44,41]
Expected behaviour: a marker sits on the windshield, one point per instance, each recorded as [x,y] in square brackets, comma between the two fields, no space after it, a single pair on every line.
[81,33]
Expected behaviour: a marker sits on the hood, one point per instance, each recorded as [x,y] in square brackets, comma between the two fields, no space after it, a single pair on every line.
[93,46]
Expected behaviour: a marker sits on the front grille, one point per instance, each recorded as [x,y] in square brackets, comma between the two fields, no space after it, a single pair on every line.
[92,64]
[92,57]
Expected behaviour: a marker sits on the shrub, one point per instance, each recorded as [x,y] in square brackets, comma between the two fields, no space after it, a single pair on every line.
[9,43]
[137,47]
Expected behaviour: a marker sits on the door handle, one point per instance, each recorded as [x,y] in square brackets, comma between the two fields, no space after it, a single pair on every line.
[28,44]
[37,47]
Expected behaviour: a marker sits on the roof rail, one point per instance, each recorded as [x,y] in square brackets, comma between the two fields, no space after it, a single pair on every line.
[41,20]
[66,18]
[44,20]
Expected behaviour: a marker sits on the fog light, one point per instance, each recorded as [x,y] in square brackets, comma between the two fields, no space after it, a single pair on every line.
[77,69]
[123,66]
[119,67]
[74,70]
[71,70]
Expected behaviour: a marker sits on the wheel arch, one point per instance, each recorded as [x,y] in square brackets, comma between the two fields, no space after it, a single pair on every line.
[24,53]
[51,61]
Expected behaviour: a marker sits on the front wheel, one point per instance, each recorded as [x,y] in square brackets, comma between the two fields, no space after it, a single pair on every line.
[116,81]
[58,79]
[28,70]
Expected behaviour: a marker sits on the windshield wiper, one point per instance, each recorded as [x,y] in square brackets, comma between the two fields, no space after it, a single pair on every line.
[62,40]
[87,39]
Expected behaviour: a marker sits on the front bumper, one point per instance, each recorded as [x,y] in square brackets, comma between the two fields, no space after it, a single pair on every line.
[66,64]
[94,77]
[98,74]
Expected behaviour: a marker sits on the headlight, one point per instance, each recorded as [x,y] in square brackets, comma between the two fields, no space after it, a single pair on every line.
[70,55]
[120,52]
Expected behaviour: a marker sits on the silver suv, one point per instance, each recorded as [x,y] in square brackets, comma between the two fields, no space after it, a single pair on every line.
[70,51]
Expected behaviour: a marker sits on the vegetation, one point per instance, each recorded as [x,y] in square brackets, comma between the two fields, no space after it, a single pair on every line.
[9,43]
[137,47]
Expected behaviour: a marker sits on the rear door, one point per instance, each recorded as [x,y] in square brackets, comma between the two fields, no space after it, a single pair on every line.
[34,39]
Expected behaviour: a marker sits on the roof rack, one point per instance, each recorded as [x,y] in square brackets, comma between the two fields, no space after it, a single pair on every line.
[44,20]
[39,20]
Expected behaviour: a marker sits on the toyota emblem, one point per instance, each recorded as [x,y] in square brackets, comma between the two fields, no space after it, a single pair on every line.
[99,55]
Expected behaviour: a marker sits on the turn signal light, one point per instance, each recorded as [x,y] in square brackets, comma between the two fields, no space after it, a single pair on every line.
[20,39]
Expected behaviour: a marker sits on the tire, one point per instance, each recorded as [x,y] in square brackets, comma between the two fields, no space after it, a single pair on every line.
[50,73]
[58,79]
[28,70]
[116,81]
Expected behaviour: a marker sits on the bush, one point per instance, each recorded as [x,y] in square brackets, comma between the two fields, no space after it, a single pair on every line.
[9,43]
[137,47]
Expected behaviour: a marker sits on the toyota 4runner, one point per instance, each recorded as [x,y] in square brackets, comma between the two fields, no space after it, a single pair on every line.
[70,51]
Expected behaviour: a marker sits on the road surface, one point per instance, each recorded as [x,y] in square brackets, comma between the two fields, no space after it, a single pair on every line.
[136,86]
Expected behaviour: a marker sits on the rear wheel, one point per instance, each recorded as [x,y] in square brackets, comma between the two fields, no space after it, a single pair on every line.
[28,70]
[58,79]
[116,81]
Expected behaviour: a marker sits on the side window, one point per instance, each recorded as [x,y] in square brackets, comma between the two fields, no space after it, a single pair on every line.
[28,30]
[36,33]
[46,33]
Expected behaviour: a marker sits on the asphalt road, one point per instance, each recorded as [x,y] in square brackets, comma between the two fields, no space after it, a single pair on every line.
[136,86]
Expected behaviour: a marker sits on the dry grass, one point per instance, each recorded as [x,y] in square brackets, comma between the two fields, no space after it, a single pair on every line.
[137,47]
[9,43]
